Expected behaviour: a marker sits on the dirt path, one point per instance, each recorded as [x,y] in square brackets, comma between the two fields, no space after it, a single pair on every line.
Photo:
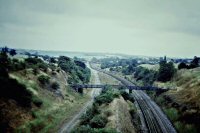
[67,127]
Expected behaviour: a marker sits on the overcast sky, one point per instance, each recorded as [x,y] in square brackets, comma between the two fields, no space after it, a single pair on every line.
[137,27]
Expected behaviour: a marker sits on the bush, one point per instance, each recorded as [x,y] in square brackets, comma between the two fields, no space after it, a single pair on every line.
[43,79]
[125,95]
[16,65]
[182,65]
[106,96]
[53,73]
[89,114]
[77,70]
[185,128]
[98,121]
[32,61]
[55,85]
[83,129]
[36,63]
[11,89]
[43,66]
[172,113]
[145,75]
[52,67]
[37,102]
[88,129]
[35,71]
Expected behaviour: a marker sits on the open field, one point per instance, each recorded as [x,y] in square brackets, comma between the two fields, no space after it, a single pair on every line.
[106,79]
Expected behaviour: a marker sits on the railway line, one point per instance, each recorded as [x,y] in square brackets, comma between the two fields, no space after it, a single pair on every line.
[153,120]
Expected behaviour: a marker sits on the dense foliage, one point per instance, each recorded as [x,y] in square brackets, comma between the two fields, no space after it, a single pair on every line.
[166,71]
[145,75]
[10,88]
[36,63]
[55,85]
[116,62]
[43,79]
[78,71]
[193,64]
[106,96]
[93,121]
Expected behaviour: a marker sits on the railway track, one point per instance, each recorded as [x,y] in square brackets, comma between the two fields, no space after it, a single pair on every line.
[153,120]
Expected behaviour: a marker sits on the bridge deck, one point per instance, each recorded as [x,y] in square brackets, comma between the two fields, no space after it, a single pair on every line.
[116,86]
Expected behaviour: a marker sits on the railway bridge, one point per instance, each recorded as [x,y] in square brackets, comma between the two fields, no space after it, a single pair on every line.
[80,87]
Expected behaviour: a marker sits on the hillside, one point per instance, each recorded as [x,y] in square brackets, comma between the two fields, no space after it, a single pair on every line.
[187,87]
[35,96]
[183,100]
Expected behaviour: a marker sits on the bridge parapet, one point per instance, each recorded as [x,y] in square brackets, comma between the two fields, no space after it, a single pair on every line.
[130,87]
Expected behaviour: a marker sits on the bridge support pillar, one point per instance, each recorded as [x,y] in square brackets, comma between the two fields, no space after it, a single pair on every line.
[76,89]
[130,90]
[80,90]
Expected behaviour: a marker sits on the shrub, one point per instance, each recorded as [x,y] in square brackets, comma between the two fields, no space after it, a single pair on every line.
[89,114]
[53,73]
[55,85]
[33,61]
[43,79]
[172,113]
[88,129]
[83,129]
[43,66]
[37,102]
[125,95]
[106,96]
[35,71]
[107,130]
[182,65]
[16,65]
[52,66]
[78,71]
[58,70]
[145,75]
[98,121]
[11,89]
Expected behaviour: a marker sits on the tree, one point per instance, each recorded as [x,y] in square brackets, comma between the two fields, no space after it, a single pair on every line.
[52,60]
[194,63]
[43,79]
[55,85]
[4,64]
[12,52]
[182,65]
[5,49]
[166,71]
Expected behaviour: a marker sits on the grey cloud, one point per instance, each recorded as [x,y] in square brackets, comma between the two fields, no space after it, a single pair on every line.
[130,26]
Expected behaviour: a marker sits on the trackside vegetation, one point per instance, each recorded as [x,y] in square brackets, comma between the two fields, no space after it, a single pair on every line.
[93,120]
[34,96]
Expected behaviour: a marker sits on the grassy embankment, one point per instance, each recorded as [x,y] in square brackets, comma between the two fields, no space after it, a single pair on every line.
[109,112]
[55,109]
[182,104]
[39,99]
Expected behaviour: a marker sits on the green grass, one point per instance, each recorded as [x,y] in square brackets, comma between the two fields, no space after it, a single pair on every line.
[172,113]
[185,128]
[48,119]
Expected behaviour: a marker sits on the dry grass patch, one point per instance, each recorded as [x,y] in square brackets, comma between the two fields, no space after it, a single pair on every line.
[106,79]
[120,117]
